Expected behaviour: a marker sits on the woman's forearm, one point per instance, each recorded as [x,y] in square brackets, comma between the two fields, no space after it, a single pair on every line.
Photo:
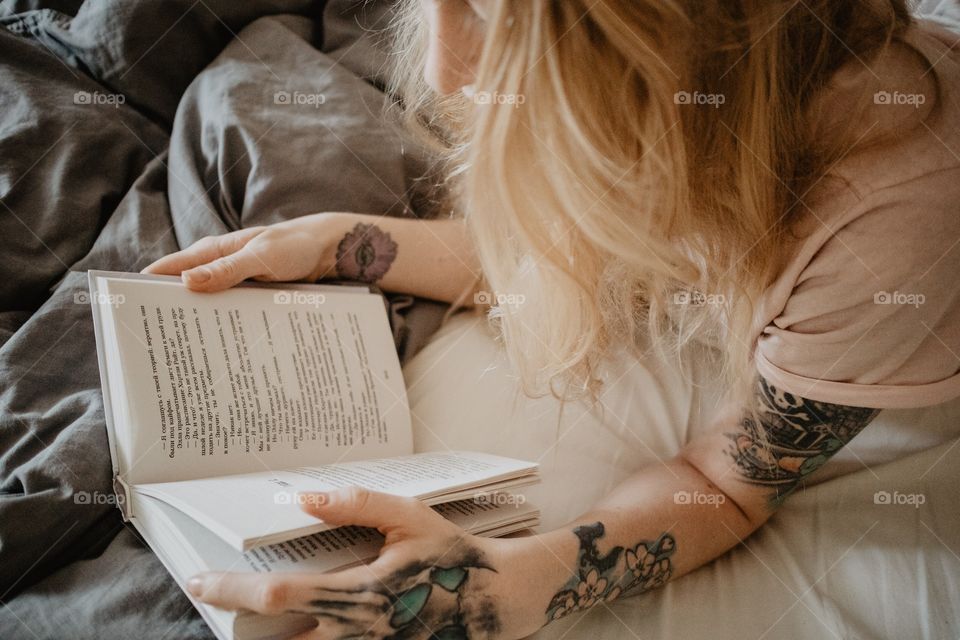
[659,524]
[670,518]
[427,258]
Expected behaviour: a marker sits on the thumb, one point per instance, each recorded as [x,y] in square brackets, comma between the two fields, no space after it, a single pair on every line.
[365,508]
[224,272]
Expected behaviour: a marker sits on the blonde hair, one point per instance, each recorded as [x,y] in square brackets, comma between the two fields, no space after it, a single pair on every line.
[605,180]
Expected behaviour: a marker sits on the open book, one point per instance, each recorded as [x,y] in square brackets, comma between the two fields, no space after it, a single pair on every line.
[221,407]
[187,548]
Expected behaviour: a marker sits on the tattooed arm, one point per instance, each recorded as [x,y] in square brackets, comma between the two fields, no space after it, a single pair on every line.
[668,520]
[428,258]
[432,580]
[767,456]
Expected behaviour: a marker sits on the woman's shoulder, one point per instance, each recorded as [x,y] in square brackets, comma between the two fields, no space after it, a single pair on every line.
[868,303]
[906,184]
[907,128]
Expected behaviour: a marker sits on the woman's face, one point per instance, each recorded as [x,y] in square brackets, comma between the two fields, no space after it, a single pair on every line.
[457,29]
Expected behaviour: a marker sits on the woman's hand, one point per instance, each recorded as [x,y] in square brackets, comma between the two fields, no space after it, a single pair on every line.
[431,580]
[426,258]
[300,249]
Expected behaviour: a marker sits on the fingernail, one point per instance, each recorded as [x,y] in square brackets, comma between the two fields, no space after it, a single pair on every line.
[199,275]
[195,586]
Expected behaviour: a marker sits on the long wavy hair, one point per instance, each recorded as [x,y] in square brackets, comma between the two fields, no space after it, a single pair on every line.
[634,167]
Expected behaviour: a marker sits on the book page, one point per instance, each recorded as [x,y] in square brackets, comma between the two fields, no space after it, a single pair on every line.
[225,504]
[345,546]
[250,379]
[336,548]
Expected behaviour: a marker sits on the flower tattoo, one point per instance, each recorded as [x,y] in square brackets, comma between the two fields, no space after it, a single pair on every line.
[365,253]
[604,577]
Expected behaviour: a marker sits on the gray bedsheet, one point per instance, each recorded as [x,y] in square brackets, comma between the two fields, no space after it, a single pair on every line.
[128,130]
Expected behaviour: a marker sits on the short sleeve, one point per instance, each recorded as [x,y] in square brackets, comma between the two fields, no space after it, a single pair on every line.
[873,319]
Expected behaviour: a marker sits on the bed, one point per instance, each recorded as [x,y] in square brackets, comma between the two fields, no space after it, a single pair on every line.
[131,129]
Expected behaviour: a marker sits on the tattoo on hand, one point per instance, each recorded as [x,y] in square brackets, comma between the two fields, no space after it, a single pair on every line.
[604,577]
[365,254]
[792,439]
[438,598]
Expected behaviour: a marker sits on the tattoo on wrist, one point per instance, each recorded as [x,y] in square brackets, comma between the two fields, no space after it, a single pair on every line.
[442,597]
[604,577]
[365,254]
[791,438]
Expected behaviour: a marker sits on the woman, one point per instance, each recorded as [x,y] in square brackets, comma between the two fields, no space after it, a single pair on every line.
[776,179]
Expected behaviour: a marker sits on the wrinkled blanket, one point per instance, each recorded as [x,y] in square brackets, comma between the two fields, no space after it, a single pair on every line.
[129,130]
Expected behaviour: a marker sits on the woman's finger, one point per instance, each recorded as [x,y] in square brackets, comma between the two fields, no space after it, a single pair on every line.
[273,594]
[202,252]
[361,507]
[267,594]
[225,272]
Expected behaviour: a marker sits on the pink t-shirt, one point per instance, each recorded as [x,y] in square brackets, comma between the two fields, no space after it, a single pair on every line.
[867,310]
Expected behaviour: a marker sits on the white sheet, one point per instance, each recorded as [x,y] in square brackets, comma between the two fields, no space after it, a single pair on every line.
[831,563]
